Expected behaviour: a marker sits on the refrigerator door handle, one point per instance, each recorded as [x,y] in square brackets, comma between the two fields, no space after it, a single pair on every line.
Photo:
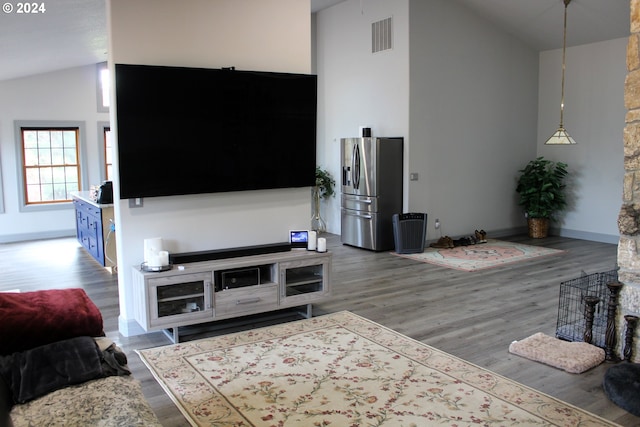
[359,215]
[356,167]
[365,201]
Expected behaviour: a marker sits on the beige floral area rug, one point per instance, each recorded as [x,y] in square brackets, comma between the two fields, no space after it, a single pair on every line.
[343,370]
[493,253]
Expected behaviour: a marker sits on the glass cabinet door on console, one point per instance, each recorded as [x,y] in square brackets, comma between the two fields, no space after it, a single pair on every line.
[176,299]
[302,281]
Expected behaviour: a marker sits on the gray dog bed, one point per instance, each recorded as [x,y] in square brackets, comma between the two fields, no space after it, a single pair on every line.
[622,385]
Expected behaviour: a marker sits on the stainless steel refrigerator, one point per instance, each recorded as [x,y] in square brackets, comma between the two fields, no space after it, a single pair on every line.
[371,191]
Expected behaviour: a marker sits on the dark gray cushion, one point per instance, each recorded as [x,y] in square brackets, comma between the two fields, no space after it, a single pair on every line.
[41,370]
[622,385]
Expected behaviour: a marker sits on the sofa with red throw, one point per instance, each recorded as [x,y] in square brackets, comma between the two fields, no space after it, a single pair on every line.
[58,369]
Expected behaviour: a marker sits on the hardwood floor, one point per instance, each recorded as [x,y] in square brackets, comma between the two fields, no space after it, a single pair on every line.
[471,315]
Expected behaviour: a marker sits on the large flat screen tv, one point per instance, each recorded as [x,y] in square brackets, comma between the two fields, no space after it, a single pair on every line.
[194,130]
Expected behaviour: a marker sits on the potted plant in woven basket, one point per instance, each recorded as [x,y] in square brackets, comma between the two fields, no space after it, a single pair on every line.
[541,188]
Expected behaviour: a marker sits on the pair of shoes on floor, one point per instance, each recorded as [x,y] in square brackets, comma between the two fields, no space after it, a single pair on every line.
[476,238]
[481,236]
[445,242]
[465,241]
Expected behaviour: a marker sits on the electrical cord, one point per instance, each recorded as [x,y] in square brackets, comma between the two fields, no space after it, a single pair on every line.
[112,228]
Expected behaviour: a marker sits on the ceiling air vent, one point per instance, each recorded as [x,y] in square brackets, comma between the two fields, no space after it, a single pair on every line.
[381,35]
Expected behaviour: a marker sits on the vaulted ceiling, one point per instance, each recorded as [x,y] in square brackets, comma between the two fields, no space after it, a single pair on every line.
[73,32]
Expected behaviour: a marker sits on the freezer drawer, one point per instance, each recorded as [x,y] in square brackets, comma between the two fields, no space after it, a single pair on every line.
[367,230]
[359,203]
[358,228]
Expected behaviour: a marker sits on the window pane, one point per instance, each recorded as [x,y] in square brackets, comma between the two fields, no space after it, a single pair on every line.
[46,191]
[59,191]
[33,193]
[30,138]
[57,156]
[33,176]
[71,187]
[46,175]
[44,139]
[70,139]
[56,139]
[70,156]
[71,174]
[105,84]
[44,156]
[108,152]
[58,175]
[31,157]
[108,146]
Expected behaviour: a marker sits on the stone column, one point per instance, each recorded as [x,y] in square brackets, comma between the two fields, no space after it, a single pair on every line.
[629,217]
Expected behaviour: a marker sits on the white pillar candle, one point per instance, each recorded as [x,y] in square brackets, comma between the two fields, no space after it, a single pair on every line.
[322,244]
[151,248]
[311,243]
[164,258]
[154,261]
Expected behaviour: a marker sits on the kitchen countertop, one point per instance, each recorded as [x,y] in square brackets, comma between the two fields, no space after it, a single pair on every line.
[86,196]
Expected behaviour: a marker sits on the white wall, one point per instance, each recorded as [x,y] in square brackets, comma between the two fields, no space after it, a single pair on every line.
[357,87]
[480,105]
[462,94]
[269,35]
[66,95]
[473,119]
[594,115]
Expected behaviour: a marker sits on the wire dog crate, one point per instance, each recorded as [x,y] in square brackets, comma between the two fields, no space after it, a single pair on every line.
[571,308]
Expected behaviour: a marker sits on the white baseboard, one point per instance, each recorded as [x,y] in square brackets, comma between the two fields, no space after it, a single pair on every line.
[25,237]
[572,234]
[586,235]
[129,327]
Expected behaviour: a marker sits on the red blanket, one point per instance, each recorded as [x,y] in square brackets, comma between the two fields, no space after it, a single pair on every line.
[31,319]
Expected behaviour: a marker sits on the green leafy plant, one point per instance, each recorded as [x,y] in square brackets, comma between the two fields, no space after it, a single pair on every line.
[541,188]
[325,183]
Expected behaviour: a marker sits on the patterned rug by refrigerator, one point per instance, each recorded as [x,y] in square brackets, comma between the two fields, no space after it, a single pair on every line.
[494,253]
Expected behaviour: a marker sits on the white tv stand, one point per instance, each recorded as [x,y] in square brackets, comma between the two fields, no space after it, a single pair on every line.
[208,291]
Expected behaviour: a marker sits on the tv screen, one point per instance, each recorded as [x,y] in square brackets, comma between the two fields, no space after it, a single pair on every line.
[194,130]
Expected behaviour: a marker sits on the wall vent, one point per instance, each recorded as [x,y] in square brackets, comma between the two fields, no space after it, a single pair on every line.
[381,35]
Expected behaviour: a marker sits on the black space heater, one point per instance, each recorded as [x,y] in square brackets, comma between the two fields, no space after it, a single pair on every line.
[410,232]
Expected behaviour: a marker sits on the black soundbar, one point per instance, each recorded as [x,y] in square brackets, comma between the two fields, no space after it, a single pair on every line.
[186,257]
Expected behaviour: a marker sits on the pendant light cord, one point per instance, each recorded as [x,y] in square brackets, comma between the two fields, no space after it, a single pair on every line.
[564,49]
[561,136]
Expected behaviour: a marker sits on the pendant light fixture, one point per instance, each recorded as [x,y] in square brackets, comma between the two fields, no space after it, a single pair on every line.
[561,136]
